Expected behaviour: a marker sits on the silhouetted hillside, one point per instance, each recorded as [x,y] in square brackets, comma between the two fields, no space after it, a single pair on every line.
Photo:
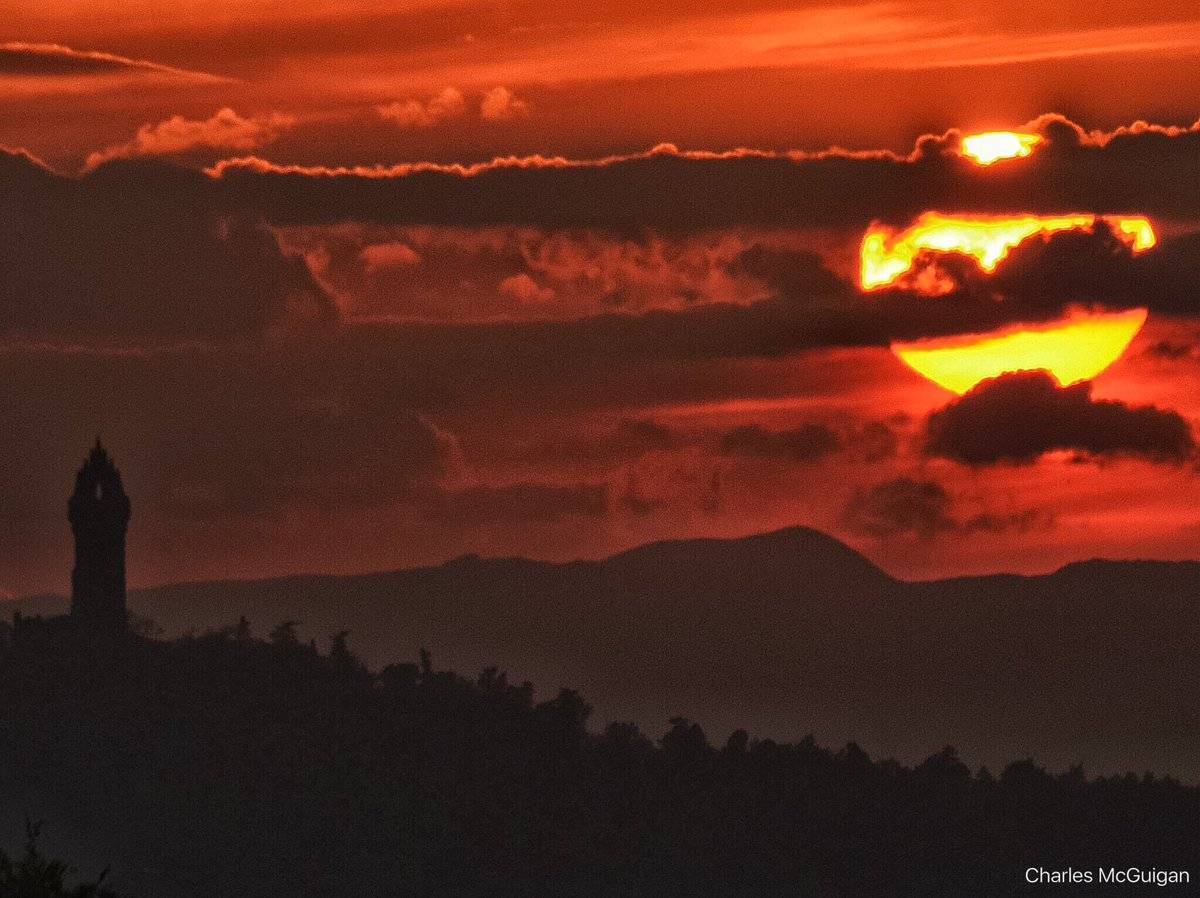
[788,633]
[224,765]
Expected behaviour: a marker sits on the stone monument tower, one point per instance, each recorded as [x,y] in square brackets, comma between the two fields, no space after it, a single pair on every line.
[99,513]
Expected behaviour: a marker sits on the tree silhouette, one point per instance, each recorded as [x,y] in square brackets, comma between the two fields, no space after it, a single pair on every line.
[36,876]
[221,763]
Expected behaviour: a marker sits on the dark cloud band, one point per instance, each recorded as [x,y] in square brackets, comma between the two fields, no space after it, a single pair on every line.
[1139,170]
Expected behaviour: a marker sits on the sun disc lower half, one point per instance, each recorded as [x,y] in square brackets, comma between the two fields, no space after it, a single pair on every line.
[1074,348]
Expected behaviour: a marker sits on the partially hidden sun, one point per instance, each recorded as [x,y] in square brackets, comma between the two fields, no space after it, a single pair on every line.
[887,254]
[1074,348]
[992,146]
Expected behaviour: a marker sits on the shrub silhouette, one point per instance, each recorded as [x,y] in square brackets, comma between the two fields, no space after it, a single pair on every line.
[36,876]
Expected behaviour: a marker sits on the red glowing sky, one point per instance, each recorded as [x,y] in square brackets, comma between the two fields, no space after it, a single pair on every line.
[373,347]
[597,78]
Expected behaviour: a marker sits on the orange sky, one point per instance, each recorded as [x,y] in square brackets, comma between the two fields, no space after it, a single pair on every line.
[567,358]
[597,78]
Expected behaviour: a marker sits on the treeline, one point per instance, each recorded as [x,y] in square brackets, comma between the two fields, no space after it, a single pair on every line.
[225,764]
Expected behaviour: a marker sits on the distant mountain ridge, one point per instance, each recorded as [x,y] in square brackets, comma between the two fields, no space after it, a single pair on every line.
[784,633]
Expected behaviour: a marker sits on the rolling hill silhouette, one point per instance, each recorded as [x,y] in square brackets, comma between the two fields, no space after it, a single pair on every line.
[785,633]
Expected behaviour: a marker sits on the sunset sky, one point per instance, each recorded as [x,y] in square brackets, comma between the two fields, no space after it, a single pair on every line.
[356,285]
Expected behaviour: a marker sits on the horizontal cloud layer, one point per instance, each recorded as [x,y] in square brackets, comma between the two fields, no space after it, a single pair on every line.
[215,272]
[1138,170]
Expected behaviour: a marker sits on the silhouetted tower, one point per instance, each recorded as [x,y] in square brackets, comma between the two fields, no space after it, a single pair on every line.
[99,512]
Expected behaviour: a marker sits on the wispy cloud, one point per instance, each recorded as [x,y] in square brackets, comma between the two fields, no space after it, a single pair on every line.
[19,58]
[844,37]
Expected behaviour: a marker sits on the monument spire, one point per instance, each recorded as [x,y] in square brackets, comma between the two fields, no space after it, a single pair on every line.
[99,512]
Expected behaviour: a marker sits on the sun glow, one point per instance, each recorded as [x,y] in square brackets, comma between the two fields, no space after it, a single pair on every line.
[1077,347]
[992,146]
[887,254]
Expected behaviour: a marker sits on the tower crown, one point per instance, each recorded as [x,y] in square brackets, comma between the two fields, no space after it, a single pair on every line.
[99,512]
[98,488]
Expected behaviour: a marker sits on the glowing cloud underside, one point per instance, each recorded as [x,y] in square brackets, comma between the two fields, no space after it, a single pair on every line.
[992,146]
[887,254]
[1072,349]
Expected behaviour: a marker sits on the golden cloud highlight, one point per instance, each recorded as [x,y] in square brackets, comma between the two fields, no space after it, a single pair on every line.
[223,130]
[887,255]
[993,146]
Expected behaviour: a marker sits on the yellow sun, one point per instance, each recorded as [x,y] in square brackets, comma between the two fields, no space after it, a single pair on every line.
[992,146]
[1072,349]
[1077,347]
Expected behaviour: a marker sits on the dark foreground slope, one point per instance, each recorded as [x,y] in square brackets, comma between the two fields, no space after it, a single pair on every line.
[228,766]
[789,633]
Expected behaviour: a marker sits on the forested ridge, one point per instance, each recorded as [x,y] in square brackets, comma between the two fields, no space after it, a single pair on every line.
[228,764]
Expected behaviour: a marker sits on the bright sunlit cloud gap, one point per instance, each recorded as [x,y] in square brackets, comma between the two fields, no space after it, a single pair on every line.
[887,254]
[994,146]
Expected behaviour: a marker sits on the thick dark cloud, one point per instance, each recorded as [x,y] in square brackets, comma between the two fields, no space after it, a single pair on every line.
[1089,266]
[805,443]
[119,263]
[1018,417]
[1140,170]
[925,509]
